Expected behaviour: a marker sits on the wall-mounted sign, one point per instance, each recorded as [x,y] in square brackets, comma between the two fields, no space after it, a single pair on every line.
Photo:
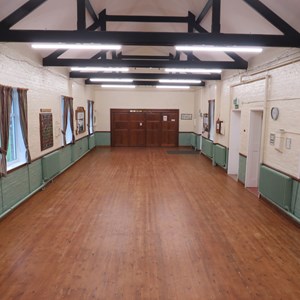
[46,130]
[186,116]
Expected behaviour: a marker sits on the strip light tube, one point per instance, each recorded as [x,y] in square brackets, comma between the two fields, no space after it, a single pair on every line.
[179,81]
[118,86]
[201,71]
[100,69]
[111,80]
[219,49]
[76,46]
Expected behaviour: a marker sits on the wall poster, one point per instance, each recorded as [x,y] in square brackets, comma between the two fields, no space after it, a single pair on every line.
[46,130]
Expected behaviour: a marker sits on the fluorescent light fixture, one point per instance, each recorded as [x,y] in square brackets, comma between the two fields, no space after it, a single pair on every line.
[111,80]
[99,69]
[219,49]
[183,87]
[179,81]
[118,86]
[199,71]
[76,46]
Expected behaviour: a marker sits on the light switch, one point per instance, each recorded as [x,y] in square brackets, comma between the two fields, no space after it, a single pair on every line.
[288,143]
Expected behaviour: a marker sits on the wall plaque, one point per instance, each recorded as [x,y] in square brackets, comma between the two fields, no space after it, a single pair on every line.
[46,130]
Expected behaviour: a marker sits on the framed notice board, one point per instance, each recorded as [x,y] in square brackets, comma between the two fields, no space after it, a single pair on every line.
[46,130]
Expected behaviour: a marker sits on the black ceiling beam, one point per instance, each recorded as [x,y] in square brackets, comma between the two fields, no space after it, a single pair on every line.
[146,76]
[145,57]
[68,62]
[272,17]
[191,22]
[204,12]
[102,20]
[20,13]
[149,38]
[146,19]
[146,83]
[216,16]
[81,20]
[232,55]
[59,52]
[91,11]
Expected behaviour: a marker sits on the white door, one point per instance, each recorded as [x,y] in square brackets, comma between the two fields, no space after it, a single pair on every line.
[254,147]
[234,143]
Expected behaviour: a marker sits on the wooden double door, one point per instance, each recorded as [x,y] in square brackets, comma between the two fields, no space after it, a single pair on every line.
[144,128]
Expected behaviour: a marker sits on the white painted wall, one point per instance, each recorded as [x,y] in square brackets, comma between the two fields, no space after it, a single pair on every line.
[283,92]
[143,98]
[21,67]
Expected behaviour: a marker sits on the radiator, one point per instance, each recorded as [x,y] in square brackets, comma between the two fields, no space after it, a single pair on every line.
[220,155]
[50,165]
[276,187]
[207,147]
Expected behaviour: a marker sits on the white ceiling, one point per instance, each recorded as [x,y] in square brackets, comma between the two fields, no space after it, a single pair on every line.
[236,17]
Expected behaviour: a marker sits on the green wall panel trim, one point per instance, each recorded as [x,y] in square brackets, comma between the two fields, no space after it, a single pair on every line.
[15,187]
[1,200]
[92,141]
[219,155]
[198,142]
[185,138]
[103,138]
[35,174]
[207,147]
[276,187]
[242,168]
[76,150]
[295,209]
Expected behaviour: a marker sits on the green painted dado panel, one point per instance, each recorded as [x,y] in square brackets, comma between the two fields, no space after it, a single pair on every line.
[276,187]
[35,175]
[79,148]
[15,187]
[92,141]
[103,138]
[185,139]
[198,142]
[242,168]
[1,200]
[207,147]
[295,209]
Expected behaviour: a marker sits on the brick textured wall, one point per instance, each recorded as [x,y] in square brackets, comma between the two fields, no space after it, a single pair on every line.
[21,67]
[283,92]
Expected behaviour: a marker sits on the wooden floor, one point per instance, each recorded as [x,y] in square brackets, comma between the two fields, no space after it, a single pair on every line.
[143,224]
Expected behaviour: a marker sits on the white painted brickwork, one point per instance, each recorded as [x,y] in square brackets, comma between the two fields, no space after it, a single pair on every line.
[283,92]
[20,67]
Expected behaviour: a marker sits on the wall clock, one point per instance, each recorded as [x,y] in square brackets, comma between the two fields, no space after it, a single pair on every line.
[274,113]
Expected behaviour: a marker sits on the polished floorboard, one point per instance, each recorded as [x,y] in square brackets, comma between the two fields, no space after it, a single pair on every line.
[135,223]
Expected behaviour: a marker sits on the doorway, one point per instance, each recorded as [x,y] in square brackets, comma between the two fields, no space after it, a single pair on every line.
[144,127]
[254,149]
[234,144]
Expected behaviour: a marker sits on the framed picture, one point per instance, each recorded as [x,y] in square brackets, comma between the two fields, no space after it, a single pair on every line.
[186,116]
[46,130]
[80,120]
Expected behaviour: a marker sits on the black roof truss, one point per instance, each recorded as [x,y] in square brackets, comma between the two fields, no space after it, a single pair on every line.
[195,34]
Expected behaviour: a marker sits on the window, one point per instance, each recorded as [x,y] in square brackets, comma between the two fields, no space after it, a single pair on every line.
[67,124]
[16,153]
[90,117]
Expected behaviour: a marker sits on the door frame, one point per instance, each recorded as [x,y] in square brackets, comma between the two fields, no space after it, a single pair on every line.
[255,134]
[234,142]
